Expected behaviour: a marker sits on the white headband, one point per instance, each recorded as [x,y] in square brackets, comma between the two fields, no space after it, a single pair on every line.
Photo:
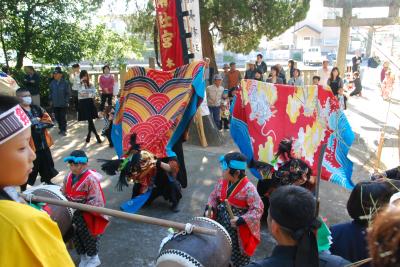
[12,122]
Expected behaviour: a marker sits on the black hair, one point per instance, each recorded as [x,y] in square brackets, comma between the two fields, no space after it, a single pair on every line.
[58,68]
[285,146]
[7,102]
[21,90]
[333,69]
[316,77]
[293,208]
[5,69]
[274,67]
[239,157]
[370,196]
[76,66]
[83,73]
[291,61]
[104,67]
[30,67]
[260,55]
[293,171]
[78,153]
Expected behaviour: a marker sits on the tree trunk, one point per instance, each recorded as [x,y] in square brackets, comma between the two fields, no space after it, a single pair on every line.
[207,46]
[3,45]
[20,60]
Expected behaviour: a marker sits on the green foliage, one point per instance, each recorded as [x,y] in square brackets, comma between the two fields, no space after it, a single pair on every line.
[241,23]
[238,24]
[49,31]
[113,48]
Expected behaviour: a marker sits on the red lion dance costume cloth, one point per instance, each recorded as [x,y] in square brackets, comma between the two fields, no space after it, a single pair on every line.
[264,114]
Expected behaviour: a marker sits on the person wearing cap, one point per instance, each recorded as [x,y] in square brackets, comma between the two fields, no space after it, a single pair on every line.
[31,82]
[59,99]
[251,71]
[234,78]
[41,140]
[29,237]
[224,76]
[214,95]
[234,192]
[82,185]
[260,64]
[324,73]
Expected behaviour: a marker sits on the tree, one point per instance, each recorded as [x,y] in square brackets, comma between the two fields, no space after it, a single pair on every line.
[114,48]
[48,30]
[240,24]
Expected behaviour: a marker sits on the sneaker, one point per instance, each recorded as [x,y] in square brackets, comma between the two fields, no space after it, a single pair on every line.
[93,261]
[84,260]
[62,133]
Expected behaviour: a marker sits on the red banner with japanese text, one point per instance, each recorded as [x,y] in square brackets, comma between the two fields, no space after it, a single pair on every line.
[169,29]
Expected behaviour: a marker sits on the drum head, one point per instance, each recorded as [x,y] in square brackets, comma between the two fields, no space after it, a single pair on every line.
[189,250]
[61,215]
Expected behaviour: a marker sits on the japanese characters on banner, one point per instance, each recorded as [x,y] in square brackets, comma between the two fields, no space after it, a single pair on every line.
[194,23]
[169,31]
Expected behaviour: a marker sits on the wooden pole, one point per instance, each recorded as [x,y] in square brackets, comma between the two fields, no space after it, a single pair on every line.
[229,209]
[344,38]
[200,128]
[119,214]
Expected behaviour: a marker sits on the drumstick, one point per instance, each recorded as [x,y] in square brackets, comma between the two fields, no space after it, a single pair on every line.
[229,209]
[119,214]
[209,211]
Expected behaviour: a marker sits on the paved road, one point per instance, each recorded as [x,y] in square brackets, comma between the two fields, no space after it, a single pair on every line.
[131,244]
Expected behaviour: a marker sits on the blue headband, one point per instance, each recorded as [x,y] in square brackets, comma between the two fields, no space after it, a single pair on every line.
[76,160]
[233,164]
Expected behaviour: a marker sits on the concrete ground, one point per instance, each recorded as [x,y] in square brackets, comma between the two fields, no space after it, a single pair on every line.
[132,244]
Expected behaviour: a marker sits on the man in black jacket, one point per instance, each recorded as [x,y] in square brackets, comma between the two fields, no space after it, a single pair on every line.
[260,64]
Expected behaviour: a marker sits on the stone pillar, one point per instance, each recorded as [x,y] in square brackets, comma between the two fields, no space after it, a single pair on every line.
[371,31]
[344,38]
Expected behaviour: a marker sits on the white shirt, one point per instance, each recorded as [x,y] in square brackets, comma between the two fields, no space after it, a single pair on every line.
[75,81]
[324,76]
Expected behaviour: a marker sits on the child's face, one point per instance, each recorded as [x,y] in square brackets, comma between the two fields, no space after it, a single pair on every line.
[224,96]
[77,169]
[16,160]
[315,81]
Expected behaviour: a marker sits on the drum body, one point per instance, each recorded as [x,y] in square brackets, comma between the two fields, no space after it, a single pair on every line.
[200,250]
[61,215]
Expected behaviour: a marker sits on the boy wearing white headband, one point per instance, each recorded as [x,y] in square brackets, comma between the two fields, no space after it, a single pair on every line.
[28,237]
[241,195]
